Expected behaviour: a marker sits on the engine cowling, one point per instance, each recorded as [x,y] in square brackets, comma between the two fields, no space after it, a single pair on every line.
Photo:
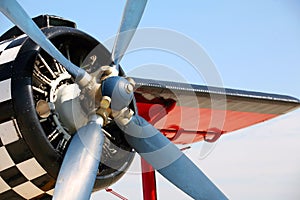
[33,138]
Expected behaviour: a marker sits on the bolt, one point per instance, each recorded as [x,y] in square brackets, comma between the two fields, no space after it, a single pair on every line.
[129,88]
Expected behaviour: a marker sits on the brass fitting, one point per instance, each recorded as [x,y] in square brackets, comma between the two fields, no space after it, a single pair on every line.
[104,108]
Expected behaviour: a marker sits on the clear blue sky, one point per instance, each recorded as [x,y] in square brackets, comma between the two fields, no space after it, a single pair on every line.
[255,45]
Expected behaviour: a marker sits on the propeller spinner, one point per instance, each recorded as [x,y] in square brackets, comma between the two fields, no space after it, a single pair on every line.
[112,97]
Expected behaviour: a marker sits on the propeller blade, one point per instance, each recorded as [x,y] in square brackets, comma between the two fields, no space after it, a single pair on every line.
[168,160]
[80,165]
[15,13]
[132,15]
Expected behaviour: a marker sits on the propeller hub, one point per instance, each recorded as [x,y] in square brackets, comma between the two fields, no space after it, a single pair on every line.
[120,90]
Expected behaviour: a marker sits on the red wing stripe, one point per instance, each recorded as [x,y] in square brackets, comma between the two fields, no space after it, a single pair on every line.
[185,113]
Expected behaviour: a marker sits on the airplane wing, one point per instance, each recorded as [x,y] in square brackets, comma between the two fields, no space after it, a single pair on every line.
[173,107]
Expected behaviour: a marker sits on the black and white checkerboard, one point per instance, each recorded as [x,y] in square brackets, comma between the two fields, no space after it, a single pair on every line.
[21,175]
[9,49]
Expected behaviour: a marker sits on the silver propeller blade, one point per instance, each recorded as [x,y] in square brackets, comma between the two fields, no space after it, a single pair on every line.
[169,161]
[80,165]
[15,13]
[132,15]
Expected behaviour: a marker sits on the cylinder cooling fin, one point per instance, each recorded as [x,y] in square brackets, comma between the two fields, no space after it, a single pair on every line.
[33,133]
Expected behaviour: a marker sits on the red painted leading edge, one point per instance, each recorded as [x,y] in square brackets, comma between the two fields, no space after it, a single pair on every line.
[149,182]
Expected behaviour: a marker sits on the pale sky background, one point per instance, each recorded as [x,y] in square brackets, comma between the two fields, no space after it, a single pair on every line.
[255,45]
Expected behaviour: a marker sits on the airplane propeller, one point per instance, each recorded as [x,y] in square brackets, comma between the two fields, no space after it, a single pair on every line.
[84,152]
[15,13]
[82,158]
[132,15]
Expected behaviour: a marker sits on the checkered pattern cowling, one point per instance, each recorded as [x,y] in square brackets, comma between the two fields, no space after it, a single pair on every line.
[9,49]
[21,175]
